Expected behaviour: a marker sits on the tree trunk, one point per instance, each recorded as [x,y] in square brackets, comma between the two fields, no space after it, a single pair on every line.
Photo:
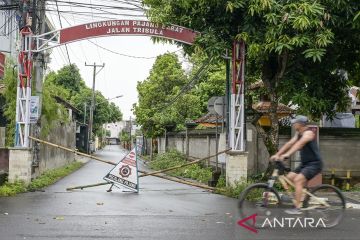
[151,149]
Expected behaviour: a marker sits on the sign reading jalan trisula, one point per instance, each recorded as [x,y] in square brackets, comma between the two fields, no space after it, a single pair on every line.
[127,27]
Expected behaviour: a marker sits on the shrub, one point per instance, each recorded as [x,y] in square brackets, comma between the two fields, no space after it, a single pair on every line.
[174,158]
[234,190]
[11,189]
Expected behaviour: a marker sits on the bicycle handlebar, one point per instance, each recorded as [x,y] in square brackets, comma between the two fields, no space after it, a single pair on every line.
[281,167]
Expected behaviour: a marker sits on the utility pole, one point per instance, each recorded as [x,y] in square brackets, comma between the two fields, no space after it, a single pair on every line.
[85,113]
[130,134]
[92,107]
[39,22]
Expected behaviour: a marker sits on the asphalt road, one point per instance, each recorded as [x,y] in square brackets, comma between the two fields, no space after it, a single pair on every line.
[162,210]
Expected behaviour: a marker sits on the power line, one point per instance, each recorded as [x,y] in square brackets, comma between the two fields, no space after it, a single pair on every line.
[122,54]
[9,7]
[67,51]
[188,86]
[97,48]
[96,13]
[95,6]
[81,47]
[59,49]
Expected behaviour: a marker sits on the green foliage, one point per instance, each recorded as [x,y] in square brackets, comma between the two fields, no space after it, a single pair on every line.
[235,190]
[51,176]
[10,80]
[174,158]
[160,100]
[52,111]
[198,173]
[169,159]
[221,182]
[11,189]
[47,178]
[69,78]
[68,84]
[212,83]
[291,45]
[124,136]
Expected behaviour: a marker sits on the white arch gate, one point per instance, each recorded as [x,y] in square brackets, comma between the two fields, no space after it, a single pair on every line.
[36,43]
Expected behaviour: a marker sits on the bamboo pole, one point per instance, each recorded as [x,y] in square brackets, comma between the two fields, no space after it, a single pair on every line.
[183,165]
[112,163]
[72,150]
[159,176]
[87,186]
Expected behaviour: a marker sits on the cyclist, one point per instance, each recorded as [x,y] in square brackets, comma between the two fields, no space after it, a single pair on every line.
[311,163]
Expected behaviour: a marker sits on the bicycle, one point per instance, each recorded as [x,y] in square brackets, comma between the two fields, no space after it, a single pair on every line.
[325,201]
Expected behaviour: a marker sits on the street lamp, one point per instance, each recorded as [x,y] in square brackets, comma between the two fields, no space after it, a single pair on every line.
[115,97]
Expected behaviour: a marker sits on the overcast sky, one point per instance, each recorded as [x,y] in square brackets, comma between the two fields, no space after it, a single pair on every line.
[121,74]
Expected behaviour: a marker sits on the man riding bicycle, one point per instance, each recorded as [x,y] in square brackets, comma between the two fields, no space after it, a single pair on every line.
[311,163]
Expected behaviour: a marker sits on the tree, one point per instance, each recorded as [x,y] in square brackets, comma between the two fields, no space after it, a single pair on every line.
[104,111]
[69,78]
[162,101]
[291,45]
[68,84]
[51,110]
[10,80]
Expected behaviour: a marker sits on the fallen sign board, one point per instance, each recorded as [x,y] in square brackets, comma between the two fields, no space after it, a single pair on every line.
[125,173]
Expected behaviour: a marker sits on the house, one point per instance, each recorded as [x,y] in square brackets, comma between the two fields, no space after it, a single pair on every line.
[209,120]
[262,106]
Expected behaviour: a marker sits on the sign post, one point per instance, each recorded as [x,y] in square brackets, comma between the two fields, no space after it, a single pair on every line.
[34,109]
[125,173]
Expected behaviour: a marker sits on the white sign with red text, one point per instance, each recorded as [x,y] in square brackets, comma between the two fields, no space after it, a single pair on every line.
[125,173]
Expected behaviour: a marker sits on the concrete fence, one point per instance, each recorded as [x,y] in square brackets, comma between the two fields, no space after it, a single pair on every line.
[22,163]
[340,149]
[195,143]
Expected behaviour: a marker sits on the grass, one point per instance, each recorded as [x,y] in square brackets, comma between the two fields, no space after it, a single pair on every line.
[46,179]
[233,190]
[174,158]
[11,189]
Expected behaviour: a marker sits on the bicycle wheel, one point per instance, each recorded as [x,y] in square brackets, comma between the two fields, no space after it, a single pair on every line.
[259,199]
[330,215]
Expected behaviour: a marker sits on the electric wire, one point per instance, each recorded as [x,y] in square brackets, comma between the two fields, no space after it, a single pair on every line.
[188,86]
[67,51]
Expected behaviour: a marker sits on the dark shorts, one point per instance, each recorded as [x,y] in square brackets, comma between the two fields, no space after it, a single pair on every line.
[309,171]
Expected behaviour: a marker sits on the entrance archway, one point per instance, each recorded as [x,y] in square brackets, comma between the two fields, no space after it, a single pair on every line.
[25,104]
[36,43]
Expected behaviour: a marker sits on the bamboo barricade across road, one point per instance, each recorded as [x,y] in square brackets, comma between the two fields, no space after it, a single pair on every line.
[183,165]
[144,174]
